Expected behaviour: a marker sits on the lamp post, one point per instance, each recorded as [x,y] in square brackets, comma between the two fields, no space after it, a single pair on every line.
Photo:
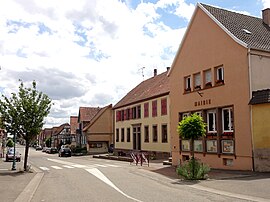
[14,154]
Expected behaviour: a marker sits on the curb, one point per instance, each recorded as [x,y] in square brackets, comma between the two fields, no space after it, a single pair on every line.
[27,194]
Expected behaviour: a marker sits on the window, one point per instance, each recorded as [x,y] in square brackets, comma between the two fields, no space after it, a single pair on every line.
[220,75]
[208,78]
[227,120]
[164,134]
[198,145]
[185,146]
[197,81]
[187,83]
[138,111]
[117,135]
[122,135]
[128,134]
[227,146]
[211,146]
[164,106]
[154,108]
[155,133]
[184,115]
[127,114]
[146,133]
[211,121]
[122,115]
[146,109]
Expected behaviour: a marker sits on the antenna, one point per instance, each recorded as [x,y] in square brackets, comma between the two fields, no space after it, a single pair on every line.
[142,71]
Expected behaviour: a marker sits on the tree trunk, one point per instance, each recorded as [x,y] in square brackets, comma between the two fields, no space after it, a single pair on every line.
[192,158]
[26,154]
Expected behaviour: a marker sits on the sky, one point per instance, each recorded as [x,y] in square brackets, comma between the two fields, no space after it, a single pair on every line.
[91,53]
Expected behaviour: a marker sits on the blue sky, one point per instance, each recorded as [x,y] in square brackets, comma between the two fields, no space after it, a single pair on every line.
[91,53]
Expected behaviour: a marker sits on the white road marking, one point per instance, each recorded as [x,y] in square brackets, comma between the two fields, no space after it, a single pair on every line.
[57,167]
[99,165]
[111,165]
[44,168]
[67,166]
[78,166]
[60,161]
[99,175]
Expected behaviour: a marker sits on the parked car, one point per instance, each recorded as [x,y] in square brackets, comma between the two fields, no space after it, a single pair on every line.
[51,150]
[65,152]
[10,155]
[38,147]
[44,149]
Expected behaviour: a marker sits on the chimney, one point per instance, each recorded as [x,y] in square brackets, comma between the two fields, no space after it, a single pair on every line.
[155,72]
[266,16]
[168,68]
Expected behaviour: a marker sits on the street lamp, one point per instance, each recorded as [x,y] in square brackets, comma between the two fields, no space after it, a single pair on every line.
[14,154]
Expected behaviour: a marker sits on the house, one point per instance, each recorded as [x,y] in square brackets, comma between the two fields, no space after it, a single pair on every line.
[44,135]
[142,121]
[224,56]
[99,131]
[86,114]
[74,125]
[260,109]
[61,135]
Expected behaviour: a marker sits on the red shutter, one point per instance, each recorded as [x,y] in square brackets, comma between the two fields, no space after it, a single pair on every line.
[154,108]
[146,109]
[164,106]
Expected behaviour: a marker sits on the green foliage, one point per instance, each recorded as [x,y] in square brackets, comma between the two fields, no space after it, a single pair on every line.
[10,143]
[79,149]
[191,127]
[23,114]
[193,170]
[48,142]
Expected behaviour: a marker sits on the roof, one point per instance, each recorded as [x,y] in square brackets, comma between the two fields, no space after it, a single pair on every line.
[260,97]
[100,112]
[239,25]
[150,88]
[87,113]
[57,130]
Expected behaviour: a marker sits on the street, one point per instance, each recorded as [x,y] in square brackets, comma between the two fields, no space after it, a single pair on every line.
[86,178]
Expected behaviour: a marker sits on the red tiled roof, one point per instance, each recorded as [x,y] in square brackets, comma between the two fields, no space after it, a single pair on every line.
[100,112]
[87,113]
[150,88]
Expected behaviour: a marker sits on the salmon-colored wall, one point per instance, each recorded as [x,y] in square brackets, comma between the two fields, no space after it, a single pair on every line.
[102,128]
[207,46]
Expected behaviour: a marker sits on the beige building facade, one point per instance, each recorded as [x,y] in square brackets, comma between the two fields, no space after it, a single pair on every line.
[142,121]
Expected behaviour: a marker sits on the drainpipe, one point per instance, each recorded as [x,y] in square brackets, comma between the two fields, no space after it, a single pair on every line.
[250,109]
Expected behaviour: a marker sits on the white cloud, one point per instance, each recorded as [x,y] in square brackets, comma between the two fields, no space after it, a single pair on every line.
[266,3]
[83,53]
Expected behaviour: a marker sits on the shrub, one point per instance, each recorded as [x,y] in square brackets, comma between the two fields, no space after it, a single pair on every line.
[199,172]
[10,143]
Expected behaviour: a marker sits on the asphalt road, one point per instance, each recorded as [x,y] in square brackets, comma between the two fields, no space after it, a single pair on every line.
[88,179]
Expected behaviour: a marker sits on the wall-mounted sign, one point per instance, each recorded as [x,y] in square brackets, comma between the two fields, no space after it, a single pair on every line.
[202,102]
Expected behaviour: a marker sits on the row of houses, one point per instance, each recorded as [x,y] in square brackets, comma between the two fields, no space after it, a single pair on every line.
[221,72]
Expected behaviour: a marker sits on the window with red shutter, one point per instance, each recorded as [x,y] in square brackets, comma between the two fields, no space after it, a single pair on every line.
[154,108]
[164,106]
[146,109]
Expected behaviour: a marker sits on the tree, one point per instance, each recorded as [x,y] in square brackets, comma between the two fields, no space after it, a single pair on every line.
[191,128]
[23,114]
[10,143]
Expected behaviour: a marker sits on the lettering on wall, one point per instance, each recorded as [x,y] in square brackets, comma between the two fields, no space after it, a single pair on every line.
[202,102]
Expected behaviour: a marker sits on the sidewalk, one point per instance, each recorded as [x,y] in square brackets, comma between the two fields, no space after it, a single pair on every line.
[13,182]
[247,185]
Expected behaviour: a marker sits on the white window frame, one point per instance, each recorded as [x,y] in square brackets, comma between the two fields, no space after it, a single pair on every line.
[197,80]
[230,120]
[214,121]
[184,115]
[188,82]
[208,76]
[222,73]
